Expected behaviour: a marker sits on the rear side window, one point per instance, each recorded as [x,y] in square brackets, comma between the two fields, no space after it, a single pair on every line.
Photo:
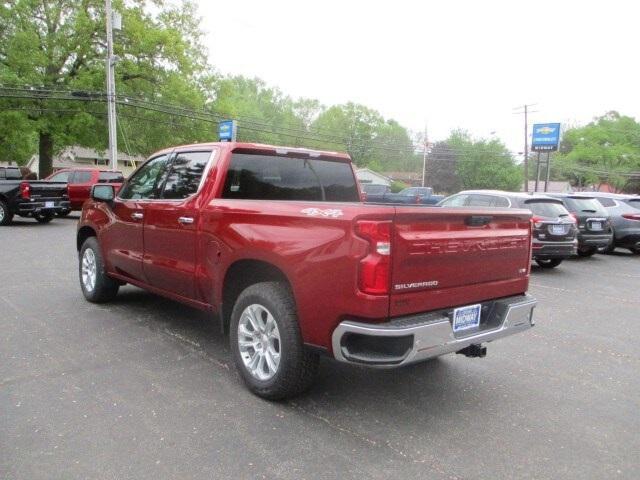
[270,177]
[185,173]
[80,177]
[375,189]
[477,200]
[634,202]
[10,173]
[110,177]
[547,209]
[606,202]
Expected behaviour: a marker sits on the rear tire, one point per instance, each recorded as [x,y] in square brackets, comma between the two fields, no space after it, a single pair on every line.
[5,215]
[610,248]
[43,217]
[635,250]
[587,252]
[96,285]
[63,213]
[262,312]
[548,262]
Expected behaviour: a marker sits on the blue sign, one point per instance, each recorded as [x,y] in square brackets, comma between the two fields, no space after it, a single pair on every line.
[546,137]
[227,131]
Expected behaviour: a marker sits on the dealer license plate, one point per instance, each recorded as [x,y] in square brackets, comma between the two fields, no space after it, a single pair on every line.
[49,204]
[596,225]
[558,230]
[465,318]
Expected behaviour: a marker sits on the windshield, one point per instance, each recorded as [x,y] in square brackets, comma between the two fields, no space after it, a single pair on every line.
[547,209]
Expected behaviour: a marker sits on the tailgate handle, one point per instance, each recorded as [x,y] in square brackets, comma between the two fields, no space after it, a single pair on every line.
[478,220]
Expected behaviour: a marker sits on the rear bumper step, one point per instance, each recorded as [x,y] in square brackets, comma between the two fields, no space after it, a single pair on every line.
[403,341]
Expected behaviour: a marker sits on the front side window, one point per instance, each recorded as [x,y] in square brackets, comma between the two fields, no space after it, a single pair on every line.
[60,177]
[454,201]
[270,177]
[145,182]
[82,176]
[185,173]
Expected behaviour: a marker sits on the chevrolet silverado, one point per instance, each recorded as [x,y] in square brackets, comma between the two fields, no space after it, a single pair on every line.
[276,242]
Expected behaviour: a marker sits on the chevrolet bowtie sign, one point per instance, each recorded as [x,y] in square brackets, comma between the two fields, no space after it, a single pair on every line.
[546,137]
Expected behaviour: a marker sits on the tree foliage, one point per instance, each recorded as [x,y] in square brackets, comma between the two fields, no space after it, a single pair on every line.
[605,150]
[484,164]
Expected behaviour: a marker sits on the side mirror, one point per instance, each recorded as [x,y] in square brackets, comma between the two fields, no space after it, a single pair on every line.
[103,193]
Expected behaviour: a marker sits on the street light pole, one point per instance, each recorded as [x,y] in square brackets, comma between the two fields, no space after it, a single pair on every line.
[526,142]
[111,90]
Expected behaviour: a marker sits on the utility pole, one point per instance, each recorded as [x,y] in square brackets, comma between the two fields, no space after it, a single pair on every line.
[546,184]
[111,90]
[424,153]
[526,112]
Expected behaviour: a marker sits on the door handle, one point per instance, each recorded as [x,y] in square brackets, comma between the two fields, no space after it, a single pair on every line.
[137,215]
[185,220]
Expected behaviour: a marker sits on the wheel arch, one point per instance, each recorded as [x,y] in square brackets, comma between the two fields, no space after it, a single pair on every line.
[82,235]
[240,275]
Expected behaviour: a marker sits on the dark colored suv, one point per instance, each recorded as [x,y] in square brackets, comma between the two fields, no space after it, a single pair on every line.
[554,229]
[594,226]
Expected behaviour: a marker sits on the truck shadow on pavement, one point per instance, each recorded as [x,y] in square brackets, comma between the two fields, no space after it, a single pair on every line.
[439,383]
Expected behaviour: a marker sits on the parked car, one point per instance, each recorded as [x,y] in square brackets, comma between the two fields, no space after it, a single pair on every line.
[276,241]
[624,213]
[40,200]
[554,230]
[80,181]
[594,227]
[409,196]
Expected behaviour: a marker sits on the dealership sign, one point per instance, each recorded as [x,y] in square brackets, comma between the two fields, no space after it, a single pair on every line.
[227,131]
[546,137]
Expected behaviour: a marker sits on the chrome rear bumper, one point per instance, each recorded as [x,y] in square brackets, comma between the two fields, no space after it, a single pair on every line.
[419,338]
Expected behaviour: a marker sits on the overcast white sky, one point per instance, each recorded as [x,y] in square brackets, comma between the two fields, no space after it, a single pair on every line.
[451,63]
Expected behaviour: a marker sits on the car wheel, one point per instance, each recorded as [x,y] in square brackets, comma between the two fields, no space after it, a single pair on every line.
[5,215]
[610,248]
[267,345]
[548,262]
[587,252]
[43,217]
[63,213]
[96,285]
[635,250]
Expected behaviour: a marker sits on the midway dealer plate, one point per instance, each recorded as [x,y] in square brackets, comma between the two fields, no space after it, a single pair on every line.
[596,226]
[467,317]
[49,204]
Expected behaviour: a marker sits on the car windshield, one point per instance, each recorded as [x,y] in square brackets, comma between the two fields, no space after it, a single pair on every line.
[543,208]
[584,205]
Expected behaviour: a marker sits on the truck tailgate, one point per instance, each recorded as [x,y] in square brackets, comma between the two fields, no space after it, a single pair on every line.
[45,189]
[448,257]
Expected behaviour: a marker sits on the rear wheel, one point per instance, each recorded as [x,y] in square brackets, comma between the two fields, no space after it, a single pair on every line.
[635,250]
[43,217]
[267,345]
[5,215]
[548,262]
[63,213]
[96,285]
[587,251]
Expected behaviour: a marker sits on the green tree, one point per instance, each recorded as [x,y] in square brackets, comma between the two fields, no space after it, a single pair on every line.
[482,163]
[441,169]
[61,45]
[605,150]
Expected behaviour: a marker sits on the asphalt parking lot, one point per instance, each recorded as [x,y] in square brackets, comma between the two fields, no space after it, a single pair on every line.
[145,388]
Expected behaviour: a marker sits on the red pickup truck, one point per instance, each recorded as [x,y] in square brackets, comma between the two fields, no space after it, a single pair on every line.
[276,241]
[79,182]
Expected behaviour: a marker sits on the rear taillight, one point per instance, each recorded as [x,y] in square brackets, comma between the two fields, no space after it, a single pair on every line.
[25,190]
[537,222]
[374,275]
[631,216]
[574,217]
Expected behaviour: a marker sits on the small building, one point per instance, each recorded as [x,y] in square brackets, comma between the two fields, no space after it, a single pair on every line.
[368,176]
[554,186]
[413,179]
[78,157]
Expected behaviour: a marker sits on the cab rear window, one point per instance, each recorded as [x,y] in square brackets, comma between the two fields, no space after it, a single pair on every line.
[272,177]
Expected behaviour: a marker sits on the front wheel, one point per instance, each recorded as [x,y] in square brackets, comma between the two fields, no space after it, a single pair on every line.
[548,262]
[43,217]
[587,251]
[5,214]
[96,285]
[267,345]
